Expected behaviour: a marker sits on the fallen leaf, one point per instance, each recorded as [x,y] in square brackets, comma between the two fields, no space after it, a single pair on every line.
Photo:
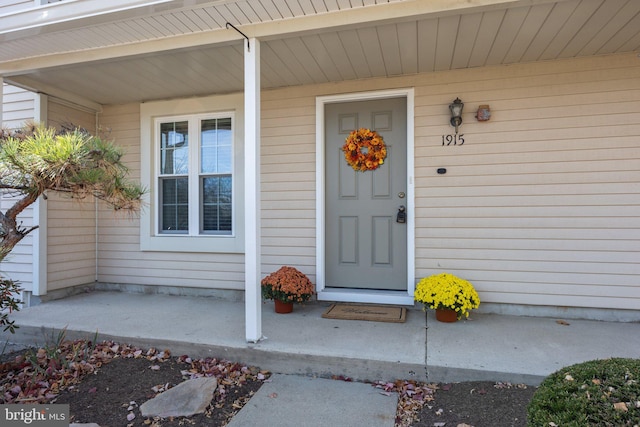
[596,381]
[131,416]
[464,425]
[563,322]
[439,424]
[620,406]
[568,377]
[155,367]
[273,395]
[439,411]
[552,424]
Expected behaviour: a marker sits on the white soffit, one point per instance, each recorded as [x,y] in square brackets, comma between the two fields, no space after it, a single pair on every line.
[308,42]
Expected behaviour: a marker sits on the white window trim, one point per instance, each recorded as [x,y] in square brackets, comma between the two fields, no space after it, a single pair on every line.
[150,238]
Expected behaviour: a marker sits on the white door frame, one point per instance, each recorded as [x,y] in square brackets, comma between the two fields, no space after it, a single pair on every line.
[359,295]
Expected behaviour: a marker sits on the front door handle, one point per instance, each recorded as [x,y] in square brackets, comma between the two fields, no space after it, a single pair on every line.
[401,217]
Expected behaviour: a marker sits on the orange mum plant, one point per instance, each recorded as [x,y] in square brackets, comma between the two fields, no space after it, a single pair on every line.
[287,285]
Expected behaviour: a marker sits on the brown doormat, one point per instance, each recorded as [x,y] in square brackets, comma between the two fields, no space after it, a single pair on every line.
[375,313]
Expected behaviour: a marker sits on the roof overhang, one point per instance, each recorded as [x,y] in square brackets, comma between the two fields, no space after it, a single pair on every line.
[121,53]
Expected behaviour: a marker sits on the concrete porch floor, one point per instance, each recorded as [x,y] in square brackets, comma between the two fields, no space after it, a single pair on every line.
[485,347]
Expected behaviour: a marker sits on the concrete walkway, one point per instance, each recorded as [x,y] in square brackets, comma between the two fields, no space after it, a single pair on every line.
[295,401]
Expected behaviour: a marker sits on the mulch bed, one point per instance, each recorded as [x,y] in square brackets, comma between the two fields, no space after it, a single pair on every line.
[106,383]
[108,386]
[477,404]
[117,390]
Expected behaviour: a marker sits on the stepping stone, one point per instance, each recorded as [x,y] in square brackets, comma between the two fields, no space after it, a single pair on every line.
[187,398]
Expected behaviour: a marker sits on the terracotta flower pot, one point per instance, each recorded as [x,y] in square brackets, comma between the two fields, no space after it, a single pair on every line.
[446,315]
[283,307]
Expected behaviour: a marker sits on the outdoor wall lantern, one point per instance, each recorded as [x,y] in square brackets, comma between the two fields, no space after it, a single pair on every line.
[456,113]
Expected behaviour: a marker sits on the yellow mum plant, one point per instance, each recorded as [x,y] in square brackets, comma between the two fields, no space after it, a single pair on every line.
[445,290]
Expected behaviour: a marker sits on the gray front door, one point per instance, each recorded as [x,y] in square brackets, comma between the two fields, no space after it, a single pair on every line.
[366,248]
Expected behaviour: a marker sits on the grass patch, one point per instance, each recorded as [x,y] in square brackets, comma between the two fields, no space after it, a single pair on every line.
[595,393]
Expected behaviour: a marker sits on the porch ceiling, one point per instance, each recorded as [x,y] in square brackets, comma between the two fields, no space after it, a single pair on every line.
[182,48]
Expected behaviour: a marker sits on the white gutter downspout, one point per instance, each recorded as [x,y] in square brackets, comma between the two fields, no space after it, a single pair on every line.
[252,257]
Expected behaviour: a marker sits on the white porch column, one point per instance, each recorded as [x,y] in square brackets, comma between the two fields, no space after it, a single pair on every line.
[252,260]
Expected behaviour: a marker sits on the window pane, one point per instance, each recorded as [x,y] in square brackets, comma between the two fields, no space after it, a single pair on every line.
[224,145]
[174,205]
[224,158]
[210,193]
[174,148]
[215,151]
[182,191]
[225,217]
[225,190]
[216,206]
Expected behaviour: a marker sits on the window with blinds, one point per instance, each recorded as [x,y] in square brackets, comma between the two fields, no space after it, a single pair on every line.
[195,175]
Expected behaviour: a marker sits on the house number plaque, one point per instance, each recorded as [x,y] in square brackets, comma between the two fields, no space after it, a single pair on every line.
[455,139]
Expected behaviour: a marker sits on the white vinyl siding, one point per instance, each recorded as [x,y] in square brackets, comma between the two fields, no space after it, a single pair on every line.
[18,108]
[71,223]
[120,258]
[288,197]
[18,265]
[8,6]
[540,206]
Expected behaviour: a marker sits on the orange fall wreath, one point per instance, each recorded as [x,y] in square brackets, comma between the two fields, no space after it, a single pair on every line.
[364,150]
